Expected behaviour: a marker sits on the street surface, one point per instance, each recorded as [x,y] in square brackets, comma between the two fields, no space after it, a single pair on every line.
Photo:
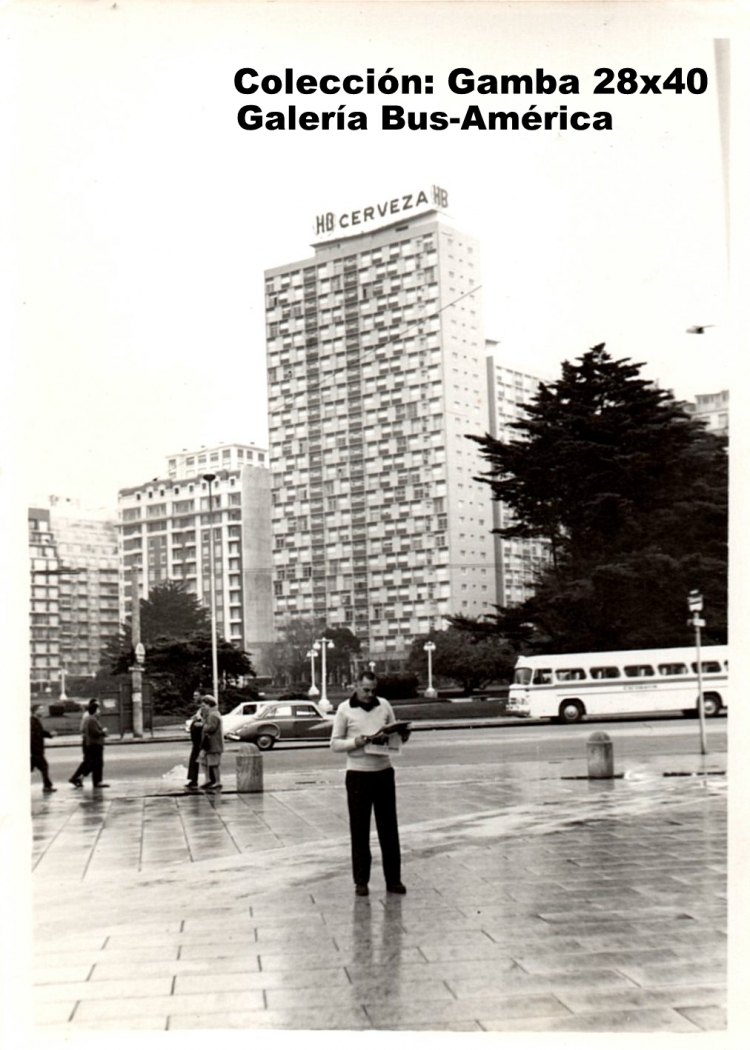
[632,741]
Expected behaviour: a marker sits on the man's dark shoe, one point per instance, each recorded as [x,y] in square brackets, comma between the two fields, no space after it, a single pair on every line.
[76,782]
[397,887]
[361,889]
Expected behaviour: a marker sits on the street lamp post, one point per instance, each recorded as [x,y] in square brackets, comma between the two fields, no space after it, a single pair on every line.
[63,694]
[430,692]
[695,605]
[320,646]
[211,478]
[313,691]
[136,671]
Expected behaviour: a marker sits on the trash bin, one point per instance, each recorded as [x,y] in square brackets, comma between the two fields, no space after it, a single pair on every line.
[249,767]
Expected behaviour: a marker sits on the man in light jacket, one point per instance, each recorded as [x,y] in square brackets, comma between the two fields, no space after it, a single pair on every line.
[370,782]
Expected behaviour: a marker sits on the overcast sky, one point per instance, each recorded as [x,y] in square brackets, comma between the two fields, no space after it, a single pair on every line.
[145,217]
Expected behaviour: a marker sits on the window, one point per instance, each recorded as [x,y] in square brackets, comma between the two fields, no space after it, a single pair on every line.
[708,667]
[638,671]
[672,669]
[570,674]
[543,676]
[605,672]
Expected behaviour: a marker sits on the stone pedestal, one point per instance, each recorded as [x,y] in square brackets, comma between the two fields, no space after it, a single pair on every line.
[249,766]
[601,757]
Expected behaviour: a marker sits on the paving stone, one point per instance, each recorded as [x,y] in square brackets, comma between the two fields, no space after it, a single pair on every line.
[583,1000]
[708,1018]
[117,989]
[297,1020]
[533,1006]
[213,1003]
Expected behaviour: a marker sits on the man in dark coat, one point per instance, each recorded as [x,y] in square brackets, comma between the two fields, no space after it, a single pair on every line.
[92,734]
[196,739]
[38,761]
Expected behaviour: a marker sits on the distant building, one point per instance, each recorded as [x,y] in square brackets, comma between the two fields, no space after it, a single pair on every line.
[517,560]
[163,528]
[713,410]
[74,591]
[376,375]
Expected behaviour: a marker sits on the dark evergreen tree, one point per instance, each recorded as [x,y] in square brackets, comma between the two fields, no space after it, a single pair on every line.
[631,494]
[473,658]
[176,633]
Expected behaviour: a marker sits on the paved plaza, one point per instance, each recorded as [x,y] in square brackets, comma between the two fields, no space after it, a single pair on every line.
[538,901]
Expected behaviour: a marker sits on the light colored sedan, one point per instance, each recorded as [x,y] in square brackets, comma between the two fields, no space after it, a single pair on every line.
[288,721]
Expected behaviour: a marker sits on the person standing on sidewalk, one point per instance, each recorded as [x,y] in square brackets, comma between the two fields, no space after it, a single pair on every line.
[370,782]
[38,761]
[93,734]
[212,744]
[196,739]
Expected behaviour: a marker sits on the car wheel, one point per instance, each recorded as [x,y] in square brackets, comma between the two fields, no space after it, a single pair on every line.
[571,711]
[711,705]
[265,742]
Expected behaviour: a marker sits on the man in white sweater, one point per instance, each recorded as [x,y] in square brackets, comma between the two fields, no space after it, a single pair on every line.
[370,782]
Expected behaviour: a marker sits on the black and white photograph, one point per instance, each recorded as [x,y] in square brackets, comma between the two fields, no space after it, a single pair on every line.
[365,490]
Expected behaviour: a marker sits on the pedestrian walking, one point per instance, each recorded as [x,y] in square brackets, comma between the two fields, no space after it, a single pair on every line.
[370,781]
[212,744]
[92,739]
[38,760]
[196,739]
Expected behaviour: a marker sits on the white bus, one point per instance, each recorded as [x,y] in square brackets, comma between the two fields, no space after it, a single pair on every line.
[570,686]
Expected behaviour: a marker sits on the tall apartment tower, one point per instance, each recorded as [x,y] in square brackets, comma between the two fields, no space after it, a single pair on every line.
[73,553]
[517,560]
[165,532]
[376,373]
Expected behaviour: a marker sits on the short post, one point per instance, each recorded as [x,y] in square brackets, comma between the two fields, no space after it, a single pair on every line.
[601,758]
[249,766]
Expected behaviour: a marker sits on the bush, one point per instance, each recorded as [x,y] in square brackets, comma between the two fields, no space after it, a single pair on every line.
[397,686]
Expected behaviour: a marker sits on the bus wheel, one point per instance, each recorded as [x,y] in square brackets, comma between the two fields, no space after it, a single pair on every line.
[571,711]
[711,705]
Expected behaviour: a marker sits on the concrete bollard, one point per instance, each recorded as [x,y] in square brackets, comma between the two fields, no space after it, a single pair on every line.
[249,766]
[600,756]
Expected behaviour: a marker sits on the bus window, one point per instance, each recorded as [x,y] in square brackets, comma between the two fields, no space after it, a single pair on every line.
[543,676]
[605,672]
[570,674]
[669,669]
[708,667]
[638,670]
[522,676]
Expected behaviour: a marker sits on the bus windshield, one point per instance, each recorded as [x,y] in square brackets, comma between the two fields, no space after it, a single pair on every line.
[522,676]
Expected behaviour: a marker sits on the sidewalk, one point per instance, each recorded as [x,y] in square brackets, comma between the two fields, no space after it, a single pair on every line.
[537,901]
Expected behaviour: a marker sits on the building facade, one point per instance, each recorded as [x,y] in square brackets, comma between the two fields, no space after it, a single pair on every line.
[165,529]
[517,560]
[713,410]
[74,591]
[376,374]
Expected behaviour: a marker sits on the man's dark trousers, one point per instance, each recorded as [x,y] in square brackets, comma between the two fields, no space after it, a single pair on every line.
[38,761]
[365,792]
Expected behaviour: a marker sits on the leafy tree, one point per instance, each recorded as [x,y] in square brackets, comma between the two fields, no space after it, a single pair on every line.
[631,494]
[176,633]
[288,658]
[471,659]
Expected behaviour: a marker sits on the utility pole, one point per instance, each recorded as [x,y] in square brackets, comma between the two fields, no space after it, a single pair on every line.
[136,671]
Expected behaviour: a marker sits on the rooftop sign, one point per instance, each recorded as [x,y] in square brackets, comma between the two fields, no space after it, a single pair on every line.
[329,225]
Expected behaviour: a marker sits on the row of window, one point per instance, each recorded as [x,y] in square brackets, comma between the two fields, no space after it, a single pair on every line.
[544,676]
